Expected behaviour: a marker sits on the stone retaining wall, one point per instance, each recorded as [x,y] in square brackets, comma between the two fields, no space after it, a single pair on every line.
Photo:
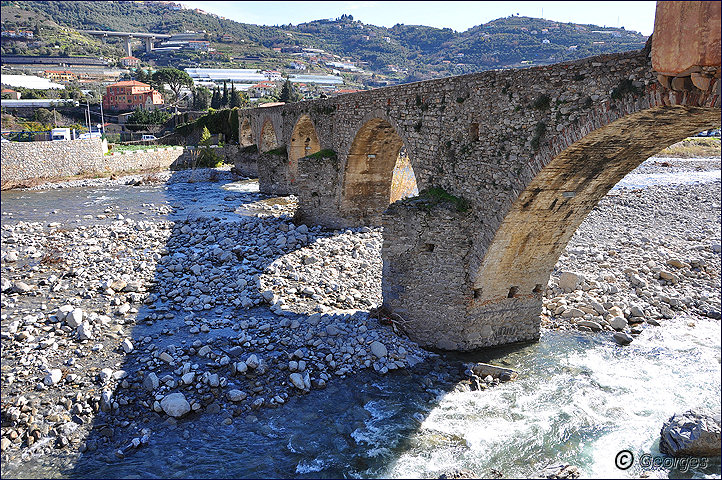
[25,163]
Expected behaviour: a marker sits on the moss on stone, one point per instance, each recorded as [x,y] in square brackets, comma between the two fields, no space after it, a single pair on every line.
[436,195]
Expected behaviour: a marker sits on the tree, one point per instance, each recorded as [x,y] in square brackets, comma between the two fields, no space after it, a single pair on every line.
[201,98]
[142,119]
[44,116]
[216,99]
[205,139]
[288,93]
[224,99]
[233,100]
[174,78]
[141,76]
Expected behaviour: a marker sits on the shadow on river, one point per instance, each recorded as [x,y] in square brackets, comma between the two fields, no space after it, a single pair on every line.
[353,427]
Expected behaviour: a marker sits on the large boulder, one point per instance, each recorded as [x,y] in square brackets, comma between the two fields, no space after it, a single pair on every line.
[175,405]
[691,434]
[568,281]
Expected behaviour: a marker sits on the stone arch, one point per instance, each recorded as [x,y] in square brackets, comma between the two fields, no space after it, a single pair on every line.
[570,179]
[304,141]
[377,171]
[268,138]
[245,134]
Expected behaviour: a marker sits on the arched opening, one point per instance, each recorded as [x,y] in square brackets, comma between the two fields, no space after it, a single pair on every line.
[378,172]
[304,141]
[245,135]
[542,220]
[269,141]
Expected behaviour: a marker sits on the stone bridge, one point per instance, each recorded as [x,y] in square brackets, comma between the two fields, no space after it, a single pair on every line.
[508,164]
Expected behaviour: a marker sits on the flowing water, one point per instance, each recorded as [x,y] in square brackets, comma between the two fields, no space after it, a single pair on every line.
[579,398]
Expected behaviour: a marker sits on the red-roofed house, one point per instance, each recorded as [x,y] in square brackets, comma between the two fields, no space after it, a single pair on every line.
[262,89]
[131,94]
[12,93]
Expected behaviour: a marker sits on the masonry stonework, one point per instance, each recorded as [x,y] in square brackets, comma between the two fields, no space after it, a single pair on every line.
[532,151]
[27,162]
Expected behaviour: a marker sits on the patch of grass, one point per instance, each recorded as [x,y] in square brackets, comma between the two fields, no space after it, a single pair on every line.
[436,195]
[281,151]
[693,147]
[325,153]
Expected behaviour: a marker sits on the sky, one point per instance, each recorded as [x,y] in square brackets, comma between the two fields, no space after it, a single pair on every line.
[459,16]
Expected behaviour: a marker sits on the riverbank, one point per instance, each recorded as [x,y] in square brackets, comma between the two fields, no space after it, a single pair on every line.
[104,318]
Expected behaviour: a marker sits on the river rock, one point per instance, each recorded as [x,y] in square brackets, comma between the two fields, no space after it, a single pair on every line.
[691,434]
[562,470]
[590,324]
[151,382]
[127,346]
[622,338]
[297,381]
[85,332]
[618,323]
[175,405]
[74,318]
[458,473]
[569,281]
[236,395]
[53,376]
[378,349]
[21,287]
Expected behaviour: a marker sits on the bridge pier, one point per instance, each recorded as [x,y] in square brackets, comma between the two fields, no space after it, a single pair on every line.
[317,188]
[426,253]
[273,173]
[148,44]
[128,49]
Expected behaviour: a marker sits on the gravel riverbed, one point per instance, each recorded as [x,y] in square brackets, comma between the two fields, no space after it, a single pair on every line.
[115,324]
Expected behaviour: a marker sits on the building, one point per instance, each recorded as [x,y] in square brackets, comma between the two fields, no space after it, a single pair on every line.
[130,61]
[12,93]
[262,89]
[18,33]
[199,45]
[272,75]
[131,94]
[64,75]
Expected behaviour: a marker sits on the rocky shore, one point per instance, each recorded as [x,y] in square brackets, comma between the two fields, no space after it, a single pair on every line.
[113,326]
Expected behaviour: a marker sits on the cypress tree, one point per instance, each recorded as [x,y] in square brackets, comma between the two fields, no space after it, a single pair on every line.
[233,101]
[216,99]
[224,100]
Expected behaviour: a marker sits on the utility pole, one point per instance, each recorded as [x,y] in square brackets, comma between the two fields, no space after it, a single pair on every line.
[87,104]
[102,120]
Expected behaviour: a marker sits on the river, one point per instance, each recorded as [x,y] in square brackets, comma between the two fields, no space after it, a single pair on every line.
[579,398]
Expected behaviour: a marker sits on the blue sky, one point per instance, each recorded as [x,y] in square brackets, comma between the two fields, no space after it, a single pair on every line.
[460,16]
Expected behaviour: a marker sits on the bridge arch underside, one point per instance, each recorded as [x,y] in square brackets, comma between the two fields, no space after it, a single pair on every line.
[304,142]
[499,301]
[245,136]
[378,172]
[269,139]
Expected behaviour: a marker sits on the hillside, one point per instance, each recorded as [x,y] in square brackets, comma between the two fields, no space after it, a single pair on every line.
[401,53]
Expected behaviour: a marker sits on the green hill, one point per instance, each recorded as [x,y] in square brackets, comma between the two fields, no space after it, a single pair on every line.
[401,53]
